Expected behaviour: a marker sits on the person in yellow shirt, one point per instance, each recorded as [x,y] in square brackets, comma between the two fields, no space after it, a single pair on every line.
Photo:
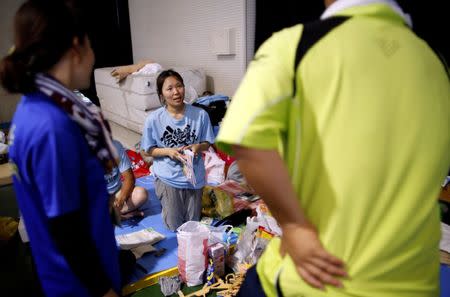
[342,127]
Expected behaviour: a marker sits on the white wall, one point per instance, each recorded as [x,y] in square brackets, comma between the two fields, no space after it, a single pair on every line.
[8,9]
[250,16]
[178,33]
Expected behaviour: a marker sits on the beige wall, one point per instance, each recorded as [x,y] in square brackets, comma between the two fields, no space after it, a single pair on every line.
[7,10]
[178,33]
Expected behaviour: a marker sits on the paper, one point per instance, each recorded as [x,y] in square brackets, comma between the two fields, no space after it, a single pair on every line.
[188,167]
[135,239]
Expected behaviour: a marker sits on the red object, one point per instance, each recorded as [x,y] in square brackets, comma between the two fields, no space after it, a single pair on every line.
[227,158]
[232,187]
[138,165]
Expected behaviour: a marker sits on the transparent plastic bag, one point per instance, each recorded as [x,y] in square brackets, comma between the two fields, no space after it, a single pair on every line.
[216,203]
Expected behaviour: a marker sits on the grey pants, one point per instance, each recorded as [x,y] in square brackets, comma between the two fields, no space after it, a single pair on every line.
[178,205]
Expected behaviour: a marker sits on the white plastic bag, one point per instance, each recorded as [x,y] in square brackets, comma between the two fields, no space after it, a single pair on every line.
[219,234]
[214,167]
[192,252]
[245,248]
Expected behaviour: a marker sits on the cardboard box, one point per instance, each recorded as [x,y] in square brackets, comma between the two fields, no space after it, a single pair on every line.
[217,253]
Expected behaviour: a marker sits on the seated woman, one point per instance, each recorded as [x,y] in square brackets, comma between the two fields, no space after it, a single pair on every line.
[168,131]
[121,185]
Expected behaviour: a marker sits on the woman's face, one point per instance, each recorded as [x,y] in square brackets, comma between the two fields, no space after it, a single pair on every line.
[173,92]
[85,64]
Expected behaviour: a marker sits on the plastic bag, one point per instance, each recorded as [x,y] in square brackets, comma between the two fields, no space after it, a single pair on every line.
[216,203]
[192,252]
[214,167]
[139,166]
[251,243]
[219,234]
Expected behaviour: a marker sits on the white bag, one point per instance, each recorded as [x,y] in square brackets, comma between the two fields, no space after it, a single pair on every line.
[245,248]
[192,252]
[219,234]
[214,168]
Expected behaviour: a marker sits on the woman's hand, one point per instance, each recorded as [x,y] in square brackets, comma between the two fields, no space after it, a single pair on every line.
[193,147]
[314,264]
[175,154]
[197,148]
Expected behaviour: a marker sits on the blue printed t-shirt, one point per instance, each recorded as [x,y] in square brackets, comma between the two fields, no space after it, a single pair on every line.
[113,181]
[56,174]
[162,130]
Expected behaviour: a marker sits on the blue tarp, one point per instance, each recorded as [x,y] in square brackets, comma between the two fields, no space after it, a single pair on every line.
[153,219]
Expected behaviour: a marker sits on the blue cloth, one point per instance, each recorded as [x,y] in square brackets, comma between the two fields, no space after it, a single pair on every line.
[152,219]
[216,130]
[162,130]
[206,100]
[445,280]
[113,181]
[55,174]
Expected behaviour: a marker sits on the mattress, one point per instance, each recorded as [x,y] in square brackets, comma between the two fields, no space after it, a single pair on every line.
[139,90]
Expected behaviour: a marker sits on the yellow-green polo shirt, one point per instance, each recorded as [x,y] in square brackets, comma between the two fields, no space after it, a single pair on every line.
[367,143]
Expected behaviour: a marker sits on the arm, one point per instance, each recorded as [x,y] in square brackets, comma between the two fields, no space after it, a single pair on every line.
[267,174]
[80,252]
[126,189]
[198,147]
[68,226]
[159,152]
[123,71]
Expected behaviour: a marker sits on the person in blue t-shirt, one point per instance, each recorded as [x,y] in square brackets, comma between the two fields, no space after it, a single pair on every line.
[168,132]
[60,149]
[121,186]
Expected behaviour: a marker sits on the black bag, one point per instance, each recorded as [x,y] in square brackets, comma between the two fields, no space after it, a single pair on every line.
[216,111]
[236,219]
[127,264]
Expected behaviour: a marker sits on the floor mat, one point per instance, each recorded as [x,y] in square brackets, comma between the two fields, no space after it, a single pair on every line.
[152,262]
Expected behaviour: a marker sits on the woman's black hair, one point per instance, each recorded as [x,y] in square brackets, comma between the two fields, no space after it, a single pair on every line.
[43,32]
[162,78]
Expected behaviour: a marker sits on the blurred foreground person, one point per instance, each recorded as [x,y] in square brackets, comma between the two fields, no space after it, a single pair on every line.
[60,150]
[342,127]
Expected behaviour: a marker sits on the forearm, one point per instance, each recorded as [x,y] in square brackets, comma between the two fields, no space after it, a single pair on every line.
[128,184]
[267,174]
[134,67]
[158,152]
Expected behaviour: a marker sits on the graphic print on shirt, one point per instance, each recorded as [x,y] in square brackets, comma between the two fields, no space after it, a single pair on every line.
[178,137]
[112,176]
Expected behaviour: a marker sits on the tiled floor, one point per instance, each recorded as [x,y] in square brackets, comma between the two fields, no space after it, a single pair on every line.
[127,137]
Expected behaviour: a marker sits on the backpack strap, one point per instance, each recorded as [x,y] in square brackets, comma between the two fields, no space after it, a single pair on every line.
[312,33]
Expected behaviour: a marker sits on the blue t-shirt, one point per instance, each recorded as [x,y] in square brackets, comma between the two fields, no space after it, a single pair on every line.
[113,181]
[162,130]
[56,174]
